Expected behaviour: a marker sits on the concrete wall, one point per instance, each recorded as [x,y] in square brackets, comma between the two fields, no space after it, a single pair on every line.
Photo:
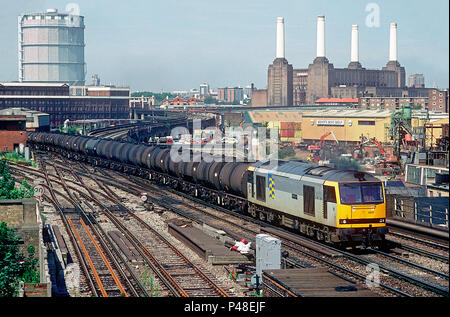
[23,215]
[18,213]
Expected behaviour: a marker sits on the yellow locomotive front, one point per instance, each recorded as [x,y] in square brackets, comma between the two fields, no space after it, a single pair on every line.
[361,213]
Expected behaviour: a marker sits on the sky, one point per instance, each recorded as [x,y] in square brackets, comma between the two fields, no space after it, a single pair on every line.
[166,45]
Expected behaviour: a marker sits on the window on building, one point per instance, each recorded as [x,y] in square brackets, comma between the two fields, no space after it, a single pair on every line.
[366,122]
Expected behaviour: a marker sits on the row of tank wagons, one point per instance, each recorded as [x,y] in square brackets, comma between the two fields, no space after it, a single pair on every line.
[227,176]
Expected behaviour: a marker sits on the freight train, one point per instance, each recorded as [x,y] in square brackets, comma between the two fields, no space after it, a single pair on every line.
[344,208]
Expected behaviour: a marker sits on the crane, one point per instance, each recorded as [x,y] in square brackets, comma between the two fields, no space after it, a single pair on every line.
[364,141]
[318,147]
[377,143]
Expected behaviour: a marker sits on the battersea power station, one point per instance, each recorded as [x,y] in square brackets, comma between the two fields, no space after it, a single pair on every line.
[294,87]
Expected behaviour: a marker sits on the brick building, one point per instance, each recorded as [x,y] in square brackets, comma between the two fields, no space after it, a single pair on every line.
[438,100]
[279,83]
[290,86]
[12,132]
[230,95]
[63,102]
[392,103]
[259,98]
[431,99]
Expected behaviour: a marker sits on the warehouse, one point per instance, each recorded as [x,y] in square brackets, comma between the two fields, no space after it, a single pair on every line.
[309,126]
[347,125]
[36,120]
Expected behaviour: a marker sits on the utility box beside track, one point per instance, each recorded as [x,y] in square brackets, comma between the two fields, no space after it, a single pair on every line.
[268,253]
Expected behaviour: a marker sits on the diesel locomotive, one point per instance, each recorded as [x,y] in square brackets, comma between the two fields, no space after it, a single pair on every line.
[345,208]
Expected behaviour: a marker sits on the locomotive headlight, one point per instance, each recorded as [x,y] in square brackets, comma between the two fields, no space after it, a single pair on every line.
[372,208]
[344,221]
[381,220]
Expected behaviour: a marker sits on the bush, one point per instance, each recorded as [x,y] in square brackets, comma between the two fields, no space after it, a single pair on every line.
[8,189]
[14,267]
[286,153]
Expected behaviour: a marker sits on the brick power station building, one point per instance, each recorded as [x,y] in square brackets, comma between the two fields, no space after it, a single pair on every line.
[289,86]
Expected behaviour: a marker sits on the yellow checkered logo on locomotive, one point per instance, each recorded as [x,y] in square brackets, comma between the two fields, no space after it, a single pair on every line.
[271,185]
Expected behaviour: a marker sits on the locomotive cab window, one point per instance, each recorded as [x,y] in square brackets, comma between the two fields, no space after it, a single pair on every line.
[308,200]
[260,188]
[329,194]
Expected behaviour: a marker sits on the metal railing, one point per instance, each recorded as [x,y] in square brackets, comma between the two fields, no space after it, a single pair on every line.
[430,210]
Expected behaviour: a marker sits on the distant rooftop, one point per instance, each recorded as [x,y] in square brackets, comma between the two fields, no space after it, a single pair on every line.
[337,100]
[355,113]
[20,111]
[26,84]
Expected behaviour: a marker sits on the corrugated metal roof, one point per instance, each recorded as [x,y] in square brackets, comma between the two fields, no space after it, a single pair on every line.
[353,113]
[277,116]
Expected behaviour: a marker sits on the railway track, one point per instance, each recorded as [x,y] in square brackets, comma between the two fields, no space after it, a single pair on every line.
[436,244]
[186,277]
[394,276]
[394,273]
[433,287]
[182,277]
[101,265]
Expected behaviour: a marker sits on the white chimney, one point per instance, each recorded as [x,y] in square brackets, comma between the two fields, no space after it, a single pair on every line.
[355,44]
[321,36]
[393,51]
[280,38]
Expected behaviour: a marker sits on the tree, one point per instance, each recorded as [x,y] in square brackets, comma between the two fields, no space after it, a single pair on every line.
[286,152]
[14,267]
[7,185]
[210,100]
[10,261]
[6,181]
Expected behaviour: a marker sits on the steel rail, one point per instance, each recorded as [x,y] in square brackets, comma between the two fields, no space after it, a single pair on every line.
[143,223]
[88,257]
[105,248]
[105,260]
[71,234]
[410,263]
[77,205]
[111,256]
